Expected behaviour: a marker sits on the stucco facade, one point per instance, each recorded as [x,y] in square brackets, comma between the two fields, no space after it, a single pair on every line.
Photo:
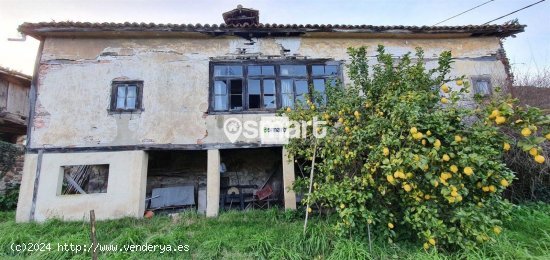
[72,123]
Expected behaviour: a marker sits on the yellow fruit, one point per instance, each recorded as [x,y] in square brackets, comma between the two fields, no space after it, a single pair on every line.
[454,193]
[347,129]
[437,144]
[413,130]
[407,187]
[367,105]
[435,183]
[547,136]
[356,114]
[454,169]
[504,183]
[492,188]
[468,171]
[309,210]
[485,189]
[428,133]
[386,151]
[539,159]
[426,246]
[445,88]
[341,120]
[288,109]
[401,175]
[446,158]
[418,135]
[497,229]
[506,147]
[459,82]
[495,113]
[342,205]
[390,225]
[458,138]
[533,152]
[423,141]
[500,120]
[432,241]
[444,100]
[426,197]
[390,179]
[526,132]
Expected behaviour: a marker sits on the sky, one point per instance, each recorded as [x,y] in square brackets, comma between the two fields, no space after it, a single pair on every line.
[529,52]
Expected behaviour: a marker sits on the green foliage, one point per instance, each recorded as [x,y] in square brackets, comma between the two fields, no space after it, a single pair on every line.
[403,156]
[8,200]
[8,153]
[257,235]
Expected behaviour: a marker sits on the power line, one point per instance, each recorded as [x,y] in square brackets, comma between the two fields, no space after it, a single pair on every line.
[464,12]
[514,12]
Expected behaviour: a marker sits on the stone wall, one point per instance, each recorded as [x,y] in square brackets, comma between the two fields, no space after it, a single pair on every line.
[12,177]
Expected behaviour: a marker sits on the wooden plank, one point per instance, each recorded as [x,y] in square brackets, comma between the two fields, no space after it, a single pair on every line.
[93,234]
[74,184]
[36,182]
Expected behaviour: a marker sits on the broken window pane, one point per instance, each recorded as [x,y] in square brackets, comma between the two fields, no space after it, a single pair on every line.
[254,93]
[236,87]
[269,94]
[84,179]
[293,70]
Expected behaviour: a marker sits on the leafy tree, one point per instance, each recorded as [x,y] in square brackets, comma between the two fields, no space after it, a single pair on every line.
[407,156]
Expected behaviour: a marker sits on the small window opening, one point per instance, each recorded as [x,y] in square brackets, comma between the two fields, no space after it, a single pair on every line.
[84,179]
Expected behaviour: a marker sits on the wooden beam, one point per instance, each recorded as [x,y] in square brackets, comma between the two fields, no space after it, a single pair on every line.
[152,147]
[36,182]
[73,183]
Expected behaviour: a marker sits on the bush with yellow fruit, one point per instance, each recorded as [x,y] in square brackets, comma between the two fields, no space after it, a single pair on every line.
[400,160]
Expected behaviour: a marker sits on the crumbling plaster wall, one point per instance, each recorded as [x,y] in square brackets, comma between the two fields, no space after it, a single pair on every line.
[75,78]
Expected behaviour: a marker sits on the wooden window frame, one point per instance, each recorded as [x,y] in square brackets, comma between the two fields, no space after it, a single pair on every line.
[114,95]
[277,77]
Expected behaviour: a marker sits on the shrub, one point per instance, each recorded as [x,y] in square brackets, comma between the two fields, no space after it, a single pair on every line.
[8,200]
[404,158]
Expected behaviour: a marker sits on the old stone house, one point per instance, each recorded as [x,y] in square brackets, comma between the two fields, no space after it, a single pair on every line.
[144,106]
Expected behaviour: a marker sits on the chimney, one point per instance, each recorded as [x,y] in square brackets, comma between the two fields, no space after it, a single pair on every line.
[241,15]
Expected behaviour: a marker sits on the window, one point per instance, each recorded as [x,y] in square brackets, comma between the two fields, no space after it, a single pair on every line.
[126,96]
[268,85]
[84,179]
[482,86]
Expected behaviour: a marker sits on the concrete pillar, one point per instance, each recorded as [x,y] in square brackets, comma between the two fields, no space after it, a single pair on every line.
[288,180]
[213,183]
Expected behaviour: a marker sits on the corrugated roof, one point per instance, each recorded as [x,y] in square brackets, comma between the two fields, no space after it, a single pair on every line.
[45,28]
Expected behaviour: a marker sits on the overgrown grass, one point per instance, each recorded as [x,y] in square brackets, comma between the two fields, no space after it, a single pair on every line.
[261,235]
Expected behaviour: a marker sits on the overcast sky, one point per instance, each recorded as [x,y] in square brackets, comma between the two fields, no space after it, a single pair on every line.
[529,52]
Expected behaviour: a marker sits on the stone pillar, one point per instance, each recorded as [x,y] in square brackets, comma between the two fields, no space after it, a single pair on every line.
[288,180]
[213,183]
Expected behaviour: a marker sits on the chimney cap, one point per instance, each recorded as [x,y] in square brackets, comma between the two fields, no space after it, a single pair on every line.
[241,15]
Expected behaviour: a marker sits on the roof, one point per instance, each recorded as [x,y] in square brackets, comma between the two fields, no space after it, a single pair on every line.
[44,29]
[15,75]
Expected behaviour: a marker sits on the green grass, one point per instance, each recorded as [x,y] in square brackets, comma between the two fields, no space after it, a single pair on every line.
[261,235]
